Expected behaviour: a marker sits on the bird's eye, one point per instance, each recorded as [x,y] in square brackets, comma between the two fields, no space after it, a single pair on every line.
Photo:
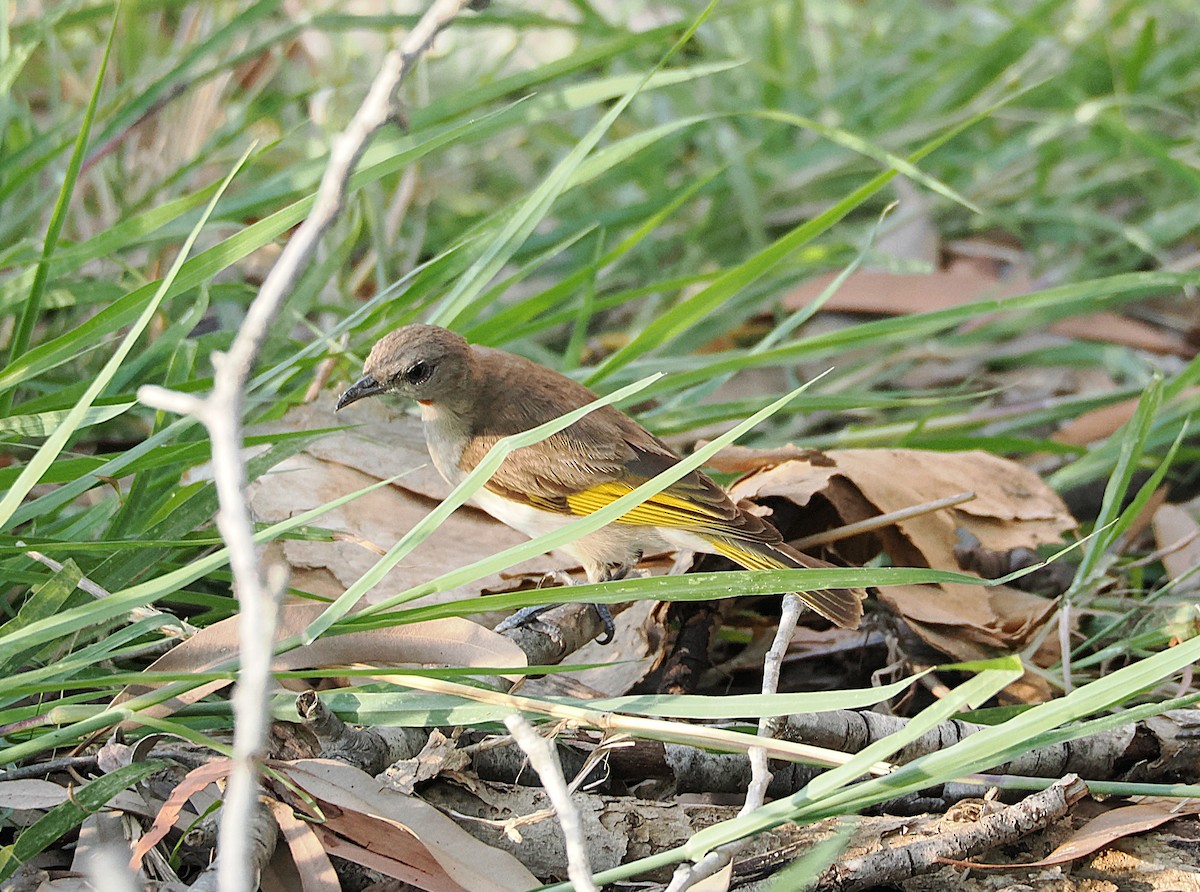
[418,372]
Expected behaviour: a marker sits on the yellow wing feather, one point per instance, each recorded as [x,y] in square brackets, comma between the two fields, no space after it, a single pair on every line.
[748,557]
[661,510]
[665,509]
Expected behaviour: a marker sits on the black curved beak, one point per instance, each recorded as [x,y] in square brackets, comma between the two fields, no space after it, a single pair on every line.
[365,386]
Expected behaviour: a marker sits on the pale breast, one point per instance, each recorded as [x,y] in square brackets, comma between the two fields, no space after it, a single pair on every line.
[446,448]
[445,442]
[531,521]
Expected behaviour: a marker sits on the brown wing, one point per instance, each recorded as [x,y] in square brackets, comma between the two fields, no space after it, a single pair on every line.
[594,461]
[517,395]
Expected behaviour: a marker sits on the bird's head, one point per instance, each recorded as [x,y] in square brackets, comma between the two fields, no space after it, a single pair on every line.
[422,362]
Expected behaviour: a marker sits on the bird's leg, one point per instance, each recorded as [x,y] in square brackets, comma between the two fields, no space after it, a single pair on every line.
[611,574]
[527,614]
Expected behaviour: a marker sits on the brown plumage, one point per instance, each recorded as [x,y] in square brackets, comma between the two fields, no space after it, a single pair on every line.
[472,396]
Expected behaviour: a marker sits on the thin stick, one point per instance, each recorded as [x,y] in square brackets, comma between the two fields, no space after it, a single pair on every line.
[545,762]
[768,726]
[693,735]
[883,520]
[173,626]
[221,411]
[687,875]
[895,864]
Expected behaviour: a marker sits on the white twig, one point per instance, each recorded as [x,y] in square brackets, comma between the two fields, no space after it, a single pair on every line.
[760,777]
[221,413]
[545,762]
[687,875]
[172,401]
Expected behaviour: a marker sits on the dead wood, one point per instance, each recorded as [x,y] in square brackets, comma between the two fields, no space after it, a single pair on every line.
[688,658]
[263,835]
[617,829]
[1007,825]
[1162,749]
[371,749]
[551,637]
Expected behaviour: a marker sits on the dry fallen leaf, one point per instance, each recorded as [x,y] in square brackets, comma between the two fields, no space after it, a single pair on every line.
[1107,828]
[1012,508]
[312,863]
[431,850]
[1097,424]
[1177,535]
[412,865]
[440,753]
[894,294]
[718,882]
[442,642]
[31,793]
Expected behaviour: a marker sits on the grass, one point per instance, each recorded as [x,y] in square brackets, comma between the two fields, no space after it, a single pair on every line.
[609,208]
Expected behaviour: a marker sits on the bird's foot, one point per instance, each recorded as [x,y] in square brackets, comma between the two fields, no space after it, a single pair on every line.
[610,628]
[623,571]
[527,614]
[522,617]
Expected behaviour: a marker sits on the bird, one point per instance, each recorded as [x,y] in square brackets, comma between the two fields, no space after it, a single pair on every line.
[472,396]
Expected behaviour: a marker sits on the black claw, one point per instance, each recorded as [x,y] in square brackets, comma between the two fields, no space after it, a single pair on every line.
[612,574]
[610,629]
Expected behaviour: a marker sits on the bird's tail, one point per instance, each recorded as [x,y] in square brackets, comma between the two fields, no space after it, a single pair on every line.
[840,606]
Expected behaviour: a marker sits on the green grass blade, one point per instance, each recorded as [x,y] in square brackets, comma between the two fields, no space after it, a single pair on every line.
[713,586]
[33,304]
[50,450]
[1133,437]
[42,424]
[534,208]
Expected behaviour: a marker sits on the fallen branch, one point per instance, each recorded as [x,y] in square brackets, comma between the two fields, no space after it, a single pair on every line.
[1005,826]
[1161,749]
[369,749]
[262,835]
[552,636]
